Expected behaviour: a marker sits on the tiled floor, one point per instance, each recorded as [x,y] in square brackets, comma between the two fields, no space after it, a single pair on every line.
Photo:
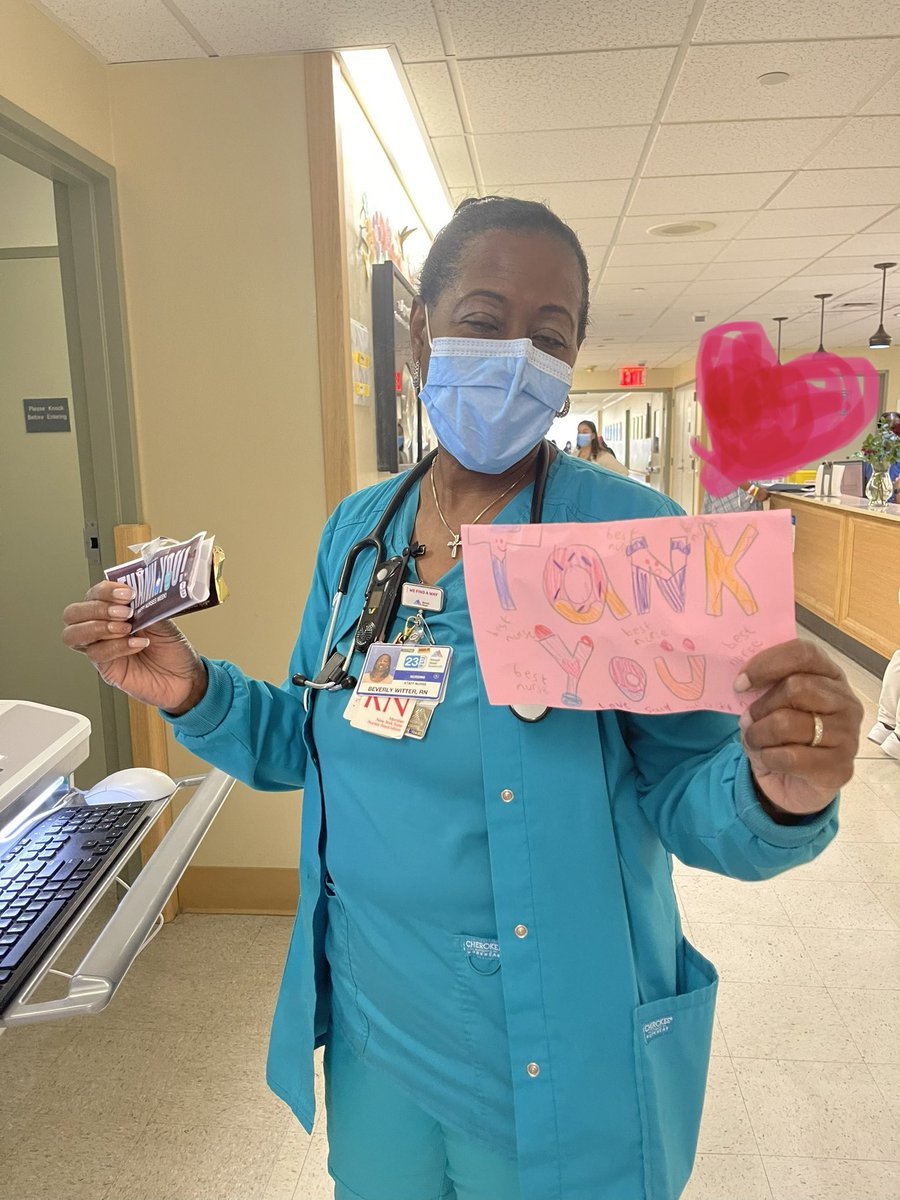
[163,1096]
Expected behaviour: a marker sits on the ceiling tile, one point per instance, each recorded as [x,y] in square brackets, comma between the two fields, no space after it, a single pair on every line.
[620,87]
[594,231]
[481,30]
[593,198]
[666,252]
[863,142]
[274,27]
[753,270]
[769,20]
[636,229]
[886,99]
[744,289]
[457,194]
[557,157]
[122,31]
[716,193]
[827,78]
[759,249]
[889,224]
[456,165]
[836,265]
[652,273]
[723,146]
[881,246]
[802,222]
[874,185]
[431,86]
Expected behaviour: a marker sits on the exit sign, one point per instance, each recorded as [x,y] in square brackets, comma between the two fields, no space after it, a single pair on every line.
[631,376]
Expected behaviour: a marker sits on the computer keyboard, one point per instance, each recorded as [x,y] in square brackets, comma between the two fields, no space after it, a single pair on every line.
[48,874]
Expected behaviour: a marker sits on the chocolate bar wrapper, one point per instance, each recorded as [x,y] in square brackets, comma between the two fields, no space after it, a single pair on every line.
[170,578]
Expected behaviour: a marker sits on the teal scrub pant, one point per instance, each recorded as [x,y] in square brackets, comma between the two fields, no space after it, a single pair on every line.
[383,1146]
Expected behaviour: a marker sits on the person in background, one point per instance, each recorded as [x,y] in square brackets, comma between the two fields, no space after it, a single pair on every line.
[748,497]
[592,447]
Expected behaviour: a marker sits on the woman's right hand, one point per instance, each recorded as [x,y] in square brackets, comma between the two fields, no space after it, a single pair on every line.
[158,665]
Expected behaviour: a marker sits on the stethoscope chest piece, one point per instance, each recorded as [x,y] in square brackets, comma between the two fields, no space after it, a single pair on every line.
[529,713]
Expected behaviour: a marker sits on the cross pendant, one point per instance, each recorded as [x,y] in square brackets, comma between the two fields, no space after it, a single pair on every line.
[454,545]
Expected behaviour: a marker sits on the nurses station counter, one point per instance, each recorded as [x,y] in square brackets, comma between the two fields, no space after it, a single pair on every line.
[847,573]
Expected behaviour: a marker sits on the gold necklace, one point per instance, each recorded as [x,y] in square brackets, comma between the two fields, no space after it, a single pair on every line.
[455,545]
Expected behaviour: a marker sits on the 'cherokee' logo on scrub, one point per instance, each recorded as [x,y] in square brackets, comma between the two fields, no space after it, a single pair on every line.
[654,1028]
[482,947]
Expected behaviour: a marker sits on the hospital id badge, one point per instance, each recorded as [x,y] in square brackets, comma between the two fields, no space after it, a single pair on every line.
[417,672]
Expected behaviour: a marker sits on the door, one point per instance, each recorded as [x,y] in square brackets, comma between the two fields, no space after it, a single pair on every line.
[683,463]
[42,514]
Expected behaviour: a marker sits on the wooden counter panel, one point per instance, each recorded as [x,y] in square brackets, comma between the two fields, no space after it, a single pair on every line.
[817,553]
[869,609]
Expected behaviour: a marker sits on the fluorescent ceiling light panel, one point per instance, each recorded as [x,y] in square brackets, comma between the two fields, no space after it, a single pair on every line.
[377,83]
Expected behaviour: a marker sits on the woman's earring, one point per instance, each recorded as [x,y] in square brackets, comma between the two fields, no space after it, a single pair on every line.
[564,411]
[416,372]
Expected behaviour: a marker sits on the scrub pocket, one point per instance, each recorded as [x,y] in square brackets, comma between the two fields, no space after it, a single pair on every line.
[344,993]
[672,1039]
[479,996]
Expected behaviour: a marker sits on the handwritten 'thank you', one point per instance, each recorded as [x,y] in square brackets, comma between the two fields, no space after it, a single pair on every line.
[651,616]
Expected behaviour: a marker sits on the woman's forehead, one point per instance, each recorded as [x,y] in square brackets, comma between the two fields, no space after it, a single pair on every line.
[532,264]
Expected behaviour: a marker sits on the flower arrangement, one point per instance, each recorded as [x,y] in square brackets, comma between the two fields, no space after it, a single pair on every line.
[881,448]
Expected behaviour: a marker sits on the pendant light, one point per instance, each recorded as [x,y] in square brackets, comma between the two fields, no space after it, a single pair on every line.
[823,296]
[780,321]
[881,339]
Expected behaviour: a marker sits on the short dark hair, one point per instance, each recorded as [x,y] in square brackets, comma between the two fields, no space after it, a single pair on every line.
[477,215]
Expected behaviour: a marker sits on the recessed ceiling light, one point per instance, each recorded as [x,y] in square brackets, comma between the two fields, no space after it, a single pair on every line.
[639,289]
[624,314]
[773,78]
[681,228]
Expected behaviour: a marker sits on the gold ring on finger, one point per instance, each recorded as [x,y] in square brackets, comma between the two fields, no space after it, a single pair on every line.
[818,730]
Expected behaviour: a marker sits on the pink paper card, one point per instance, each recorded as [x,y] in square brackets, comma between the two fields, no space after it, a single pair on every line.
[651,616]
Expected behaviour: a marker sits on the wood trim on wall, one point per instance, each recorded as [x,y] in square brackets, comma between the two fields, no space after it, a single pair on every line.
[331,276]
[273,891]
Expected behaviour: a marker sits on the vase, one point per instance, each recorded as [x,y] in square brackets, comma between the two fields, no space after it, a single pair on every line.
[880,488]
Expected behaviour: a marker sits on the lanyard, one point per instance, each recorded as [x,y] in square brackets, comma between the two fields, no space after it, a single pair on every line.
[385,581]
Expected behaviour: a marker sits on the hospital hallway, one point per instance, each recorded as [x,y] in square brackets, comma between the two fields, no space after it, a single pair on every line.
[163,1096]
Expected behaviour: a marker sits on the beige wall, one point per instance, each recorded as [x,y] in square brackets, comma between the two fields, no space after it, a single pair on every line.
[53,78]
[217,246]
[214,202]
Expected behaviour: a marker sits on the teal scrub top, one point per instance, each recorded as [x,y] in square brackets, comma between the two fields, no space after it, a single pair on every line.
[412,942]
[608,1009]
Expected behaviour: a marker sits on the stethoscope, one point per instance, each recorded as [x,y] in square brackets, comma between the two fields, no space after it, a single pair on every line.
[383,590]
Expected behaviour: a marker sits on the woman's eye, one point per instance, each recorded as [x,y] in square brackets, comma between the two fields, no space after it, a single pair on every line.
[485,327]
[548,340]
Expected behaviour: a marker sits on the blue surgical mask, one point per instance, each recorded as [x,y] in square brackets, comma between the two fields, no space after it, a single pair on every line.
[491,402]
[583,439]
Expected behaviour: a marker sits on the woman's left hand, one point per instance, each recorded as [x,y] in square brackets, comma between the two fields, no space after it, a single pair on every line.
[779,726]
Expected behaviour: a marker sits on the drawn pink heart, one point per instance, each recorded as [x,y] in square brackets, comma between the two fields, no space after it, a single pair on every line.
[766,419]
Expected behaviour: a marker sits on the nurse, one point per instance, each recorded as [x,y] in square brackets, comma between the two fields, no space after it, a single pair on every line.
[487,942]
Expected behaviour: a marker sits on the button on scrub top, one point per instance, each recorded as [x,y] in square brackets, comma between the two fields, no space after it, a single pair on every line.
[412,934]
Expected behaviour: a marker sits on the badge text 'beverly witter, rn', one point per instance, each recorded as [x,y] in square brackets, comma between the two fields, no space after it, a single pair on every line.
[651,616]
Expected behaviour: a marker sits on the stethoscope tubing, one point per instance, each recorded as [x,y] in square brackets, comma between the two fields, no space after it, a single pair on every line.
[375,541]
